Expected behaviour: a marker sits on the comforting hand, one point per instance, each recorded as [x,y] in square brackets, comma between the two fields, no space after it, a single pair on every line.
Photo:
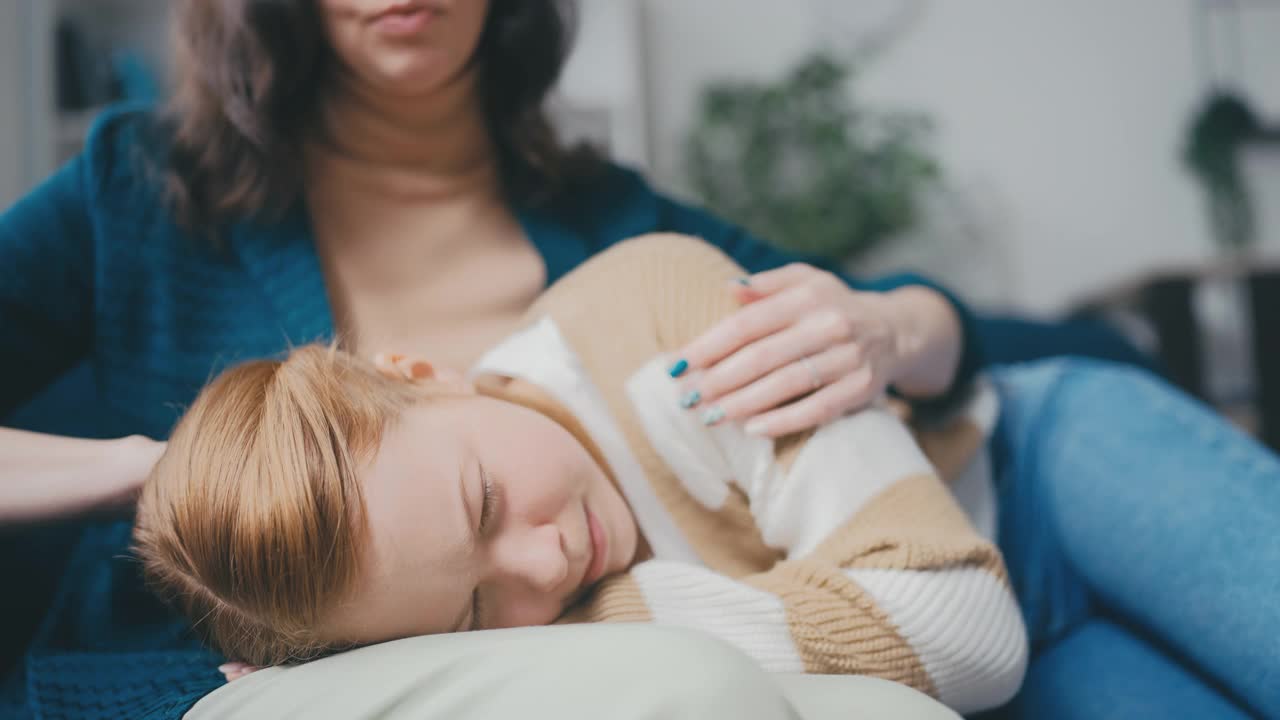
[806,349]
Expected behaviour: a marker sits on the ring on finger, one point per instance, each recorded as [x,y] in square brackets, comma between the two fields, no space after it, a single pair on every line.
[815,379]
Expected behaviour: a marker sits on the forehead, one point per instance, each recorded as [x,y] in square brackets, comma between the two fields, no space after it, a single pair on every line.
[415,563]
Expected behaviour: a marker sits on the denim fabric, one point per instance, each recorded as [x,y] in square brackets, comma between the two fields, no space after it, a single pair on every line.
[1142,535]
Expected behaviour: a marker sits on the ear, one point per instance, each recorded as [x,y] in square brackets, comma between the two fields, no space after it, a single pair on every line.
[404,367]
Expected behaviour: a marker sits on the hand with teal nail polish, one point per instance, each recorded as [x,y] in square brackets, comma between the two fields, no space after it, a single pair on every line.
[806,349]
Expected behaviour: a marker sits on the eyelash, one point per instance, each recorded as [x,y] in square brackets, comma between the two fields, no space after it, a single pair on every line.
[475,610]
[488,505]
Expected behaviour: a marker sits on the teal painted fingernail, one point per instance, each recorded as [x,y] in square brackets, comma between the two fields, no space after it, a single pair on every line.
[712,416]
[678,369]
[744,281]
[691,398]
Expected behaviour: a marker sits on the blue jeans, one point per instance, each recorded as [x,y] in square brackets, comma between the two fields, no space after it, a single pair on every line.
[1142,536]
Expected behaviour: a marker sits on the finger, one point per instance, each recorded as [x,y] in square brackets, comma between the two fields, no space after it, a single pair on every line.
[386,363]
[404,367]
[748,324]
[849,393]
[801,377]
[774,281]
[232,670]
[812,335]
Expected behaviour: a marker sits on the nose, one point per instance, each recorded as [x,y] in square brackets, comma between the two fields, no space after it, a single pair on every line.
[535,558]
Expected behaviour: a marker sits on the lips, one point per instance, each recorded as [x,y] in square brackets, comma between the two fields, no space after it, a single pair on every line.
[405,7]
[404,18]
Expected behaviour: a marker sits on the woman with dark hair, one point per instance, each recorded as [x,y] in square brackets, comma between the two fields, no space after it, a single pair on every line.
[382,171]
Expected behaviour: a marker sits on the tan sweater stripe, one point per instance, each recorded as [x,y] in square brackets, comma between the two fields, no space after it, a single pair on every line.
[911,525]
[838,628]
[951,448]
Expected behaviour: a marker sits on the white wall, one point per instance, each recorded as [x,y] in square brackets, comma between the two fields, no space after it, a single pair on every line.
[1063,121]
[602,93]
[13,121]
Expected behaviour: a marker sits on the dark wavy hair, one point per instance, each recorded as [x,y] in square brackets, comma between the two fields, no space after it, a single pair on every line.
[248,78]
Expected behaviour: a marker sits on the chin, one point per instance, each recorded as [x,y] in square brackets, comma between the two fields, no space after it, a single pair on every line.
[411,73]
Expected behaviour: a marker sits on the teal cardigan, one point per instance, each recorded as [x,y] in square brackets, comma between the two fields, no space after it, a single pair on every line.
[93,269]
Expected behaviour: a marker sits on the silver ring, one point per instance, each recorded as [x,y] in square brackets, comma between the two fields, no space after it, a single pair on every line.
[815,380]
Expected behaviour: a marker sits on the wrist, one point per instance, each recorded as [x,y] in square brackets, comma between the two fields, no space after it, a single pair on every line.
[908,336]
[927,340]
[130,460]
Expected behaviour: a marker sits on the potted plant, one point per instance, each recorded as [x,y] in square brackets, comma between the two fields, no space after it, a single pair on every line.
[799,161]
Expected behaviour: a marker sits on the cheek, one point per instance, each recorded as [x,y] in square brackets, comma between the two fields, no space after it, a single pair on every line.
[470,16]
[342,30]
[545,473]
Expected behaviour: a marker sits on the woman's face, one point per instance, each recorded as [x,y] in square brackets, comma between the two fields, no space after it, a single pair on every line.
[482,514]
[404,47]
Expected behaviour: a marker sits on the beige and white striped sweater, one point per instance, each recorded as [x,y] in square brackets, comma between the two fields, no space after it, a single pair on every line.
[841,551]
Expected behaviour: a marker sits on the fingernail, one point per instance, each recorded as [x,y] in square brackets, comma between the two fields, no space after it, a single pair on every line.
[712,416]
[756,428]
[396,358]
[420,370]
[691,398]
[678,369]
[223,668]
[744,281]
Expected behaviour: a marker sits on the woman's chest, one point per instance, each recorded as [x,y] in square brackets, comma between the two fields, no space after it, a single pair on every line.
[443,280]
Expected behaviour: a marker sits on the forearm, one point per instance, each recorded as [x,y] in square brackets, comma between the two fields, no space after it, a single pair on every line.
[45,477]
[930,341]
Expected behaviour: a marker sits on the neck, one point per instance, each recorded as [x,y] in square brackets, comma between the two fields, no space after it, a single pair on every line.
[442,135]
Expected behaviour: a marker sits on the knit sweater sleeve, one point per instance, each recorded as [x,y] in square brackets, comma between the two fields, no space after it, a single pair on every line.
[881,574]
[46,284]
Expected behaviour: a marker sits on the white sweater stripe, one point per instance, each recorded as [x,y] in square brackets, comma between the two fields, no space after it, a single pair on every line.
[692,596]
[963,624]
[840,469]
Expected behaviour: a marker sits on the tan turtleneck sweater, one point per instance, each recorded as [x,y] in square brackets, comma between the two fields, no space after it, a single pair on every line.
[838,551]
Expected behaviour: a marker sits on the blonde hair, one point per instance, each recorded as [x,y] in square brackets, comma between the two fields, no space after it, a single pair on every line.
[253,522]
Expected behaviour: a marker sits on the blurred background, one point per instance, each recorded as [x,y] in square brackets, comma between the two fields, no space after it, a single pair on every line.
[1116,162]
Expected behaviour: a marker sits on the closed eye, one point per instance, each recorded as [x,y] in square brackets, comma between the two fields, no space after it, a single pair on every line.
[488,506]
[488,509]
